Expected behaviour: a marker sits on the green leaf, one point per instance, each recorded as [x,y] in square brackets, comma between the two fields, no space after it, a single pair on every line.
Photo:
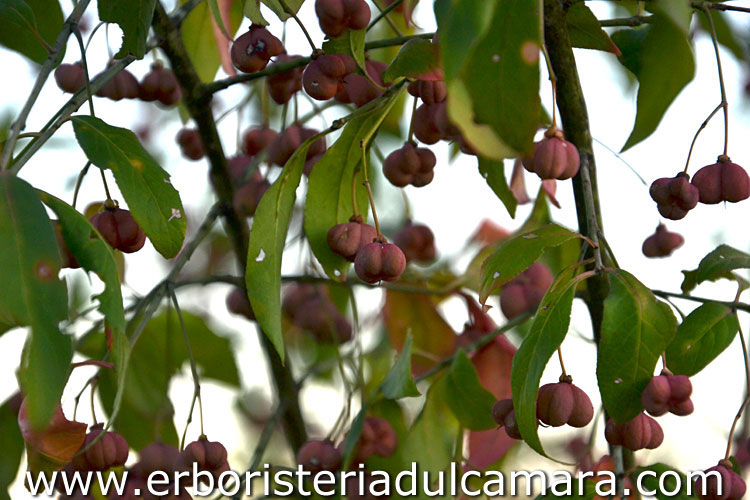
[636,329]
[545,335]
[431,441]
[399,382]
[516,254]
[701,337]
[278,9]
[267,241]
[329,193]
[33,296]
[160,353]
[470,402]
[351,43]
[416,57]
[461,23]
[29,25]
[95,255]
[252,12]
[200,43]
[12,445]
[153,201]
[134,18]
[716,265]
[586,32]
[659,84]
[493,172]
[670,489]
[355,430]
[508,58]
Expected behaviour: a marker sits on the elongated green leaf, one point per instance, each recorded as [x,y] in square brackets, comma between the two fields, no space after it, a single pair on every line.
[703,335]
[416,57]
[200,43]
[399,382]
[33,295]
[267,240]
[329,195]
[516,254]
[586,32]
[636,329]
[658,480]
[160,353]
[716,265]
[134,18]
[95,255]
[30,24]
[12,446]
[508,58]
[470,402]
[278,8]
[545,335]
[431,441]
[666,38]
[493,172]
[462,25]
[153,201]
[251,10]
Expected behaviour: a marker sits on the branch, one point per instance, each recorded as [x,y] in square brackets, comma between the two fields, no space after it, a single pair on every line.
[198,103]
[741,306]
[572,106]
[49,64]
[626,21]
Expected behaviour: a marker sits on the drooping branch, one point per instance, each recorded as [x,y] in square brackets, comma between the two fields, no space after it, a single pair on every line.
[198,103]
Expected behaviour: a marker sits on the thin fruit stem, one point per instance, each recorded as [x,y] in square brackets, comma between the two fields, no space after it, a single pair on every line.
[562,364]
[724,102]
[85,65]
[301,25]
[91,400]
[697,132]
[106,188]
[79,182]
[411,122]
[388,19]
[737,417]
[193,366]
[369,189]
[355,211]
[664,360]
[384,13]
[407,205]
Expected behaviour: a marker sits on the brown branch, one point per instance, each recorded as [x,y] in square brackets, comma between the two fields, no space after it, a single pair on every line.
[197,100]
[575,119]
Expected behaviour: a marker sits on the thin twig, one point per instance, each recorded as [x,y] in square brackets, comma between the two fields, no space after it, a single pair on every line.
[49,64]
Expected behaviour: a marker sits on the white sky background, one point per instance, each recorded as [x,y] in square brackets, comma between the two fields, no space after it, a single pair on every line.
[629,215]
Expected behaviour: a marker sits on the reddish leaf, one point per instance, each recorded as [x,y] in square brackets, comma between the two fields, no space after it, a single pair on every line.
[222,42]
[518,183]
[493,364]
[549,187]
[417,315]
[489,233]
[52,448]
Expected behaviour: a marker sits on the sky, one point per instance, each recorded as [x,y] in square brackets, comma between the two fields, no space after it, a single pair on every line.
[629,216]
